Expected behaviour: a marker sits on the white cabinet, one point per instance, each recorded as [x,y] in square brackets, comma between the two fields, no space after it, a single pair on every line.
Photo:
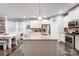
[62,37]
[77,42]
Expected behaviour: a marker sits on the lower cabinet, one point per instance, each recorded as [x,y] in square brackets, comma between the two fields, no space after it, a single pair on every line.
[77,42]
[63,38]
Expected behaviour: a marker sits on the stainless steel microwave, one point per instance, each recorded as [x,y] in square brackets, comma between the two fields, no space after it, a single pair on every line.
[73,23]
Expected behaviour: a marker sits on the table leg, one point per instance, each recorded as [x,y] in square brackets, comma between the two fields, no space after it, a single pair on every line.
[4,46]
[9,43]
[16,42]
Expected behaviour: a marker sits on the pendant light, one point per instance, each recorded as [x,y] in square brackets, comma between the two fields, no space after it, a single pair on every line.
[39,16]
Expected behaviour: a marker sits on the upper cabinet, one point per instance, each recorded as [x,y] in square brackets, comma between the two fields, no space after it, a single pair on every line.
[45,21]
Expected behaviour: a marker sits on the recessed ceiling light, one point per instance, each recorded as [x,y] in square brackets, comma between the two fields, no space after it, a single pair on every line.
[39,17]
[60,12]
[6,16]
[24,16]
[34,16]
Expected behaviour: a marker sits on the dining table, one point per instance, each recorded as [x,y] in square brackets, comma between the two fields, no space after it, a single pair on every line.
[8,37]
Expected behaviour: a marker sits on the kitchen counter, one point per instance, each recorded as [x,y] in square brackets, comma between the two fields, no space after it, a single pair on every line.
[38,36]
[40,45]
[73,33]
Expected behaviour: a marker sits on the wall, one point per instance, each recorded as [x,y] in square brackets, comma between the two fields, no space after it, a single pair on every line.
[45,21]
[57,27]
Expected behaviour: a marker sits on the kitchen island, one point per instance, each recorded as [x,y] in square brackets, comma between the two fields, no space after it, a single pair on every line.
[40,45]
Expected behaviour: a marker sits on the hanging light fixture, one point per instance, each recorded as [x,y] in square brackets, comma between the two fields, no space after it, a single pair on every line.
[39,16]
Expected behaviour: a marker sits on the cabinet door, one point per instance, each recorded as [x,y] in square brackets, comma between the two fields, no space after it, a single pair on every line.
[63,38]
[77,43]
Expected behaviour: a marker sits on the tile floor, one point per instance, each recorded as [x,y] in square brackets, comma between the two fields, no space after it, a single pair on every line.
[64,50]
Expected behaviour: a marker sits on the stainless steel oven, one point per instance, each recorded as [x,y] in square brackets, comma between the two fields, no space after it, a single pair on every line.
[70,40]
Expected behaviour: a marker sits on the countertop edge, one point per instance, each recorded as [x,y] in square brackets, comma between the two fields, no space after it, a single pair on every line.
[40,40]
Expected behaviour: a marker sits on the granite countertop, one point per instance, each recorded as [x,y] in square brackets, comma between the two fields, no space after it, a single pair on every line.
[68,34]
[76,33]
[73,33]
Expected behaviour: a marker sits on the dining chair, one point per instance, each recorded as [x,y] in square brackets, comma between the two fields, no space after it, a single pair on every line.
[3,43]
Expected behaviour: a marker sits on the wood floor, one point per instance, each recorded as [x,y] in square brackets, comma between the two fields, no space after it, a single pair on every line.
[62,50]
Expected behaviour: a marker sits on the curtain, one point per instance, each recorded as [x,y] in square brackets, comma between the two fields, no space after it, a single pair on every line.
[15,26]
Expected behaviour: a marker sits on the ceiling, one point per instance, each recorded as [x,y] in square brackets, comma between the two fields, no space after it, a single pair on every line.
[18,10]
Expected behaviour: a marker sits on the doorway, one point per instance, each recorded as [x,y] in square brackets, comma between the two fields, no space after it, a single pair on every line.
[45,29]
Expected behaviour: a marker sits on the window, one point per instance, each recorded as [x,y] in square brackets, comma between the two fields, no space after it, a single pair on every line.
[15,26]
